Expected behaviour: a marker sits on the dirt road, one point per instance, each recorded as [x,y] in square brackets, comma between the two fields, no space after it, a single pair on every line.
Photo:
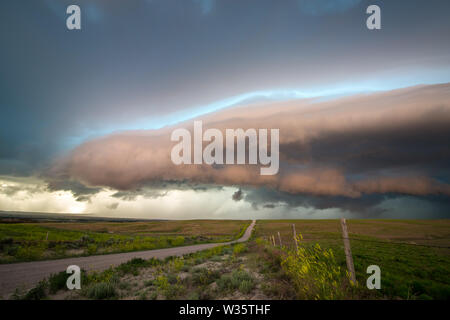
[27,274]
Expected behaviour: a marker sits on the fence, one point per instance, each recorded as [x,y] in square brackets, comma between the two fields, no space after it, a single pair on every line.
[345,238]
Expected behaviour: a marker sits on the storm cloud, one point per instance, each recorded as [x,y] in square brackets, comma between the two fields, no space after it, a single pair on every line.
[386,143]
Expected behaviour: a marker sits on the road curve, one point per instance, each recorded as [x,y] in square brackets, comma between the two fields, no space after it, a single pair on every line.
[27,274]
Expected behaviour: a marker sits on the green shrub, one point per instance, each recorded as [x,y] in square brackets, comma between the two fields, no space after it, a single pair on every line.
[11,250]
[227,250]
[178,241]
[109,275]
[214,251]
[30,252]
[240,276]
[216,259]
[246,286]
[162,283]
[143,295]
[172,278]
[133,266]
[57,281]
[203,276]
[239,248]
[193,296]
[186,268]
[148,283]
[314,272]
[259,241]
[37,293]
[239,279]
[224,283]
[124,285]
[85,239]
[169,286]
[100,291]
[6,242]
[59,250]
[177,264]
[173,291]
[91,249]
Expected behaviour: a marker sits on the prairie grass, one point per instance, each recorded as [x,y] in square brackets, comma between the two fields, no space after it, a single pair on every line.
[410,268]
[315,272]
[40,241]
[100,291]
[238,279]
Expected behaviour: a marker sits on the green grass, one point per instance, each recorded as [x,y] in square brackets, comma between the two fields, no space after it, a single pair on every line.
[239,248]
[204,277]
[100,291]
[238,279]
[408,271]
[39,241]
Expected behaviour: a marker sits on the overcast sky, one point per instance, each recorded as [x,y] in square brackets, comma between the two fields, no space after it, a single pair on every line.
[144,65]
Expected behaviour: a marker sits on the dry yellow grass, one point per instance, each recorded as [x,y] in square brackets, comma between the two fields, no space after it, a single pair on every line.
[429,232]
[205,228]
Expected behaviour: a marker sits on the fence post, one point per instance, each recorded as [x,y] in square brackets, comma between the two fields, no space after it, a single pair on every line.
[295,236]
[273,240]
[279,239]
[46,237]
[348,251]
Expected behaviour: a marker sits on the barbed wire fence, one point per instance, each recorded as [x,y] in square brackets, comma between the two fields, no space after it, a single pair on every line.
[346,238]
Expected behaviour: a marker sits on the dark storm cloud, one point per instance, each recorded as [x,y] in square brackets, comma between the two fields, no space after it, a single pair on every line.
[270,198]
[152,190]
[113,206]
[367,206]
[136,62]
[422,143]
[79,190]
[142,192]
[360,155]
[237,196]
[349,163]
[137,65]
[11,190]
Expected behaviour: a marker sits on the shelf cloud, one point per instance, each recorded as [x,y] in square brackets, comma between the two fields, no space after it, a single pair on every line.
[391,142]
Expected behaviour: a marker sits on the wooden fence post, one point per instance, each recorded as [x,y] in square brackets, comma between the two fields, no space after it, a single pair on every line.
[348,251]
[273,240]
[279,239]
[295,236]
[46,237]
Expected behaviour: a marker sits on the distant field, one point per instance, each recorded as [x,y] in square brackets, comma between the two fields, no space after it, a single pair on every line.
[429,232]
[217,229]
[414,255]
[49,240]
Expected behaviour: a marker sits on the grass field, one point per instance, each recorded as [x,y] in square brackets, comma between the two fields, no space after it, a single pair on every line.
[414,255]
[50,240]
